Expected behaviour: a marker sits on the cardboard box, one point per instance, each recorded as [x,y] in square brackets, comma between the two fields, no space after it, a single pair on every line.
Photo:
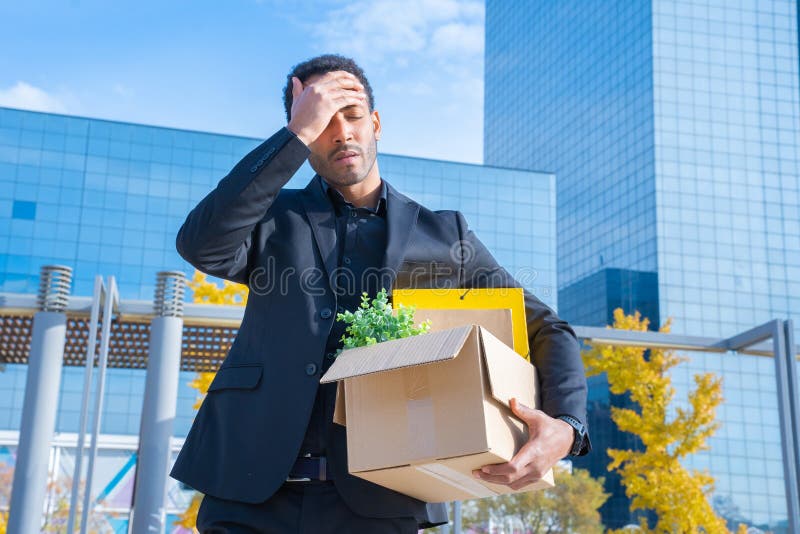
[424,411]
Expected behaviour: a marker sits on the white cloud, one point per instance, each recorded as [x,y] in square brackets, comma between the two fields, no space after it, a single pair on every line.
[26,96]
[428,54]
[415,88]
[458,38]
[373,30]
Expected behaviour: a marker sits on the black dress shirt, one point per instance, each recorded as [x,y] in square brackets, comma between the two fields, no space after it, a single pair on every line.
[361,244]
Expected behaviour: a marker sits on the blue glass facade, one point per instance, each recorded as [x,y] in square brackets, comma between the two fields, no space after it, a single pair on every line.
[672,128]
[108,198]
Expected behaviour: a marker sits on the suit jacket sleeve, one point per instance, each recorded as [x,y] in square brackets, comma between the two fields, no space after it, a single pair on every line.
[554,346]
[217,235]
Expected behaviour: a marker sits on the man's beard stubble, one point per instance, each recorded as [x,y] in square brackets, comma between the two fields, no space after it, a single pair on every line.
[352,176]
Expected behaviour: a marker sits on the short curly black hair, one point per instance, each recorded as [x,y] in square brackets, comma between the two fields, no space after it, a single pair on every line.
[321,65]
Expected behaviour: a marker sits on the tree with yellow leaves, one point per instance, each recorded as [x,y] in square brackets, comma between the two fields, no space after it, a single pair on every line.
[206,292]
[654,477]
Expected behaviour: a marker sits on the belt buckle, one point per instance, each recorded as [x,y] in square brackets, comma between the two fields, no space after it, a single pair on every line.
[322,474]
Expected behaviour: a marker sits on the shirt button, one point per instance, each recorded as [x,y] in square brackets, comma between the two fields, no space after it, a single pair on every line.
[346,260]
[326,313]
[330,355]
[311,369]
[353,213]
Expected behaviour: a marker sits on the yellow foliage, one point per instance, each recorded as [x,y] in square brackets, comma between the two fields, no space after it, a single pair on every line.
[201,383]
[654,477]
[188,519]
[205,292]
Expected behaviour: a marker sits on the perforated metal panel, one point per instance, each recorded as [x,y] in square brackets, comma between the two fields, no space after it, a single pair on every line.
[203,347]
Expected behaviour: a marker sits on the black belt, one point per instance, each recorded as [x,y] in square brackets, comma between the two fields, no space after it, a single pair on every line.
[306,469]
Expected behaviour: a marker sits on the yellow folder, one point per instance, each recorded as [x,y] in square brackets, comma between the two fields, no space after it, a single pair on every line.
[511,298]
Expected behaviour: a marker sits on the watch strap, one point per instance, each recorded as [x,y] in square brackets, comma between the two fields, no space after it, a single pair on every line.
[579,432]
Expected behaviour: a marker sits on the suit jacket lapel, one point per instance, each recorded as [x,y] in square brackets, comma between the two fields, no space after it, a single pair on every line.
[401,219]
[323,222]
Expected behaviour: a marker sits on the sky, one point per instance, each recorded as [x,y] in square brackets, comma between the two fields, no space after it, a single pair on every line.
[220,66]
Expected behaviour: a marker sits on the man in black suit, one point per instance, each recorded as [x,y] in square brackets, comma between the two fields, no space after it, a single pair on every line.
[263,448]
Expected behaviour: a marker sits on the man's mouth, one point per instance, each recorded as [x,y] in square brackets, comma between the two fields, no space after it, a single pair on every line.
[346,156]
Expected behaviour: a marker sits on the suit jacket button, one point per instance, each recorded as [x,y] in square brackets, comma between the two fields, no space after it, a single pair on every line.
[311,369]
[326,313]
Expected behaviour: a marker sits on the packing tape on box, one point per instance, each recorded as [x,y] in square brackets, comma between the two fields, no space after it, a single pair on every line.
[458,480]
[421,414]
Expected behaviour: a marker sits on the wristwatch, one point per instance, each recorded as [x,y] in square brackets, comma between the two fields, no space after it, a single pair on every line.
[580,433]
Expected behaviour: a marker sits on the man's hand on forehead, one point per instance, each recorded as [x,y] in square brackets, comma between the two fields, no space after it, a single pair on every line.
[315,101]
[338,78]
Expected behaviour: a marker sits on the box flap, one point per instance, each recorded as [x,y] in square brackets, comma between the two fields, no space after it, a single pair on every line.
[398,353]
[340,411]
[509,375]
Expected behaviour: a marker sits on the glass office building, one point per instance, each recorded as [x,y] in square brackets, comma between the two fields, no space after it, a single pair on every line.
[108,198]
[673,130]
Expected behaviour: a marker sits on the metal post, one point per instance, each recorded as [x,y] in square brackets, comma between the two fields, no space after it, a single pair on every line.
[160,403]
[91,350]
[445,529]
[111,299]
[41,401]
[794,389]
[786,376]
[457,517]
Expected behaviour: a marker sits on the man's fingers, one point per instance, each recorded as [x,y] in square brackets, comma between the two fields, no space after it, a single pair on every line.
[515,480]
[511,473]
[297,87]
[352,84]
[341,79]
[524,481]
[499,479]
[346,100]
[525,413]
[523,463]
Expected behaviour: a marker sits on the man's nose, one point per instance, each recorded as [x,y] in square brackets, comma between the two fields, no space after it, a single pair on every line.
[342,130]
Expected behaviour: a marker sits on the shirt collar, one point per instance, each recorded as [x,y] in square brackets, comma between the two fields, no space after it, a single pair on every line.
[339,201]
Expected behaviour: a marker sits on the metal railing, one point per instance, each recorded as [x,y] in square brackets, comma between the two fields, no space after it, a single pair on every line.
[106,296]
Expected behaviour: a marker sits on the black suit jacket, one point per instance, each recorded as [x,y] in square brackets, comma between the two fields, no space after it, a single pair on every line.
[282,243]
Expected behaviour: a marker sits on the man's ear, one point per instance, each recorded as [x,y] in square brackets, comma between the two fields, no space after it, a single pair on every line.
[376,124]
